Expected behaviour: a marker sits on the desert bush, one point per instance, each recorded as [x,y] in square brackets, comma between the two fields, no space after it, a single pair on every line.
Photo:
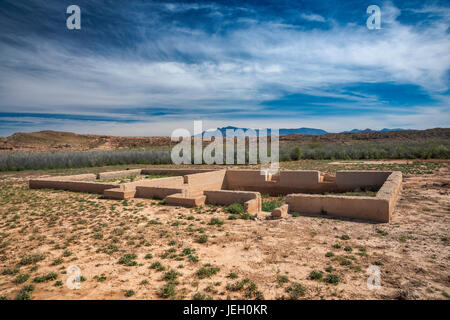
[235,208]
[207,271]
[270,205]
[296,153]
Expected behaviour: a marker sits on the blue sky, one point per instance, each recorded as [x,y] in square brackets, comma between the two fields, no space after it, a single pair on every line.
[149,67]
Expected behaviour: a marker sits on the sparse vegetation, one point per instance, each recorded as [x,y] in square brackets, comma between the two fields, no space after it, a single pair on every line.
[235,208]
[332,278]
[202,238]
[128,260]
[31,259]
[25,292]
[270,205]
[207,271]
[129,293]
[316,275]
[295,291]
[67,226]
[48,277]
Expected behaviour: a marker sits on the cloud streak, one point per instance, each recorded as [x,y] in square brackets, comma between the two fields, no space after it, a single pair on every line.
[226,72]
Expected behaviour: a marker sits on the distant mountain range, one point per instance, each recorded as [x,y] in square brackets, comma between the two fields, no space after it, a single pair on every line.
[382,130]
[307,131]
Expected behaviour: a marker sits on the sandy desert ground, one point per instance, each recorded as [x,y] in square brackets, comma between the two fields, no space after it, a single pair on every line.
[142,249]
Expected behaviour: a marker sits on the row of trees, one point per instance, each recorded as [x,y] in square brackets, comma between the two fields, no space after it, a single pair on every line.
[386,150]
[61,160]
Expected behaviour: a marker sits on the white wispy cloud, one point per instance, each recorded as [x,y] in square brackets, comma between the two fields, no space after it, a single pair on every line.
[312,17]
[240,68]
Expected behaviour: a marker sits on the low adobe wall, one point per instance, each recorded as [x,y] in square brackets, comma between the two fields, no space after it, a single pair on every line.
[241,179]
[391,190]
[250,200]
[80,186]
[75,177]
[364,208]
[118,194]
[182,200]
[118,174]
[288,181]
[169,182]
[157,192]
[377,208]
[175,172]
[197,183]
[369,180]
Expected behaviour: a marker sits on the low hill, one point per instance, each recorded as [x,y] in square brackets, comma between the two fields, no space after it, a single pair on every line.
[68,141]
[55,140]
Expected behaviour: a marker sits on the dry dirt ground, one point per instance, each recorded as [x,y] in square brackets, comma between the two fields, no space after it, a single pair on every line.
[142,249]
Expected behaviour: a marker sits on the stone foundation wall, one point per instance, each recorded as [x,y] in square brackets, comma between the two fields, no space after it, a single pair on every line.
[118,174]
[80,186]
[377,208]
[225,187]
[250,200]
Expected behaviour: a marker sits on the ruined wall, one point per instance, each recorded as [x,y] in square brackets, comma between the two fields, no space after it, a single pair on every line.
[80,186]
[244,187]
[75,177]
[118,194]
[186,201]
[196,183]
[365,208]
[377,208]
[288,181]
[351,180]
[250,200]
[169,182]
[118,174]
[391,189]
[157,192]
[175,172]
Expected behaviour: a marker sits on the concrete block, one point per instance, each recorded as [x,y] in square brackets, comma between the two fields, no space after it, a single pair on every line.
[118,194]
[157,192]
[280,212]
[180,200]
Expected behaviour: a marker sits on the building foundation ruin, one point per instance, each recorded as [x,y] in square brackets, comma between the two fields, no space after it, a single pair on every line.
[307,191]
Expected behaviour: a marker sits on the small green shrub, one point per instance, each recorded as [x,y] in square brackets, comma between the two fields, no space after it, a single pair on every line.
[25,292]
[129,293]
[207,271]
[31,259]
[157,266]
[235,208]
[332,278]
[168,290]
[128,260]
[295,291]
[202,238]
[48,277]
[270,205]
[215,222]
[316,275]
